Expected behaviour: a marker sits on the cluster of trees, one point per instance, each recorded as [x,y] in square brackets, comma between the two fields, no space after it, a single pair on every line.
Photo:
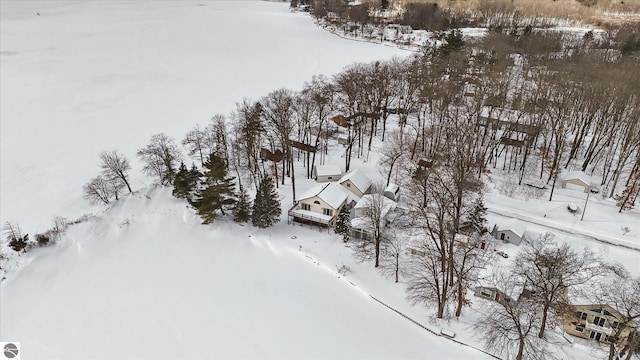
[212,192]
[536,292]
[20,242]
[441,15]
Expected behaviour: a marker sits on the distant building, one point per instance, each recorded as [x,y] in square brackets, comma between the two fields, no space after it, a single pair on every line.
[576,180]
[511,231]
[324,173]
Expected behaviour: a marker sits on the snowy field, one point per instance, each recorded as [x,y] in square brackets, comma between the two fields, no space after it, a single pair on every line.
[90,76]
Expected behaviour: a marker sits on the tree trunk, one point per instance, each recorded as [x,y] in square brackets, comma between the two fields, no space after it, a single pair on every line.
[520,353]
[543,324]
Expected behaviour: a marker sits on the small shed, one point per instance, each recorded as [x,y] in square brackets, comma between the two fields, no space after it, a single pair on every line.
[577,180]
[392,192]
[324,173]
[511,231]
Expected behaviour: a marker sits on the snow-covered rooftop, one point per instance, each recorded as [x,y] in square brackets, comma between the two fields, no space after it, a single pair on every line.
[358,178]
[368,199]
[514,225]
[392,188]
[333,194]
[324,170]
[579,175]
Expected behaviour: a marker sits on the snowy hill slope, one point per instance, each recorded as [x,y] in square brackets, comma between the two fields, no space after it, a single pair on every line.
[145,281]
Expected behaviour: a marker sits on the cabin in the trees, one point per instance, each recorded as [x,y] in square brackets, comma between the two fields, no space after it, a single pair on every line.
[356,182]
[511,231]
[576,180]
[599,322]
[320,205]
[324,173]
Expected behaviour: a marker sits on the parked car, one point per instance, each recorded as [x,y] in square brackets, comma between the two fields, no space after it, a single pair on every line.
[573,208]
[502,253]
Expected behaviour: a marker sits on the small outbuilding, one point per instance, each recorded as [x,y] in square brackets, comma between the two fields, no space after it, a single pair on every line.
[392,192]
[325,173]
[576,180]
[511,231]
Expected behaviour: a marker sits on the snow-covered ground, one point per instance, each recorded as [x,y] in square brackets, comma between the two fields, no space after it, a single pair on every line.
[146,281]
[89,76]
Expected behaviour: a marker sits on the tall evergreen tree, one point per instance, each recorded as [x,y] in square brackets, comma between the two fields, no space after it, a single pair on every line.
[181,183]
[343,224]
[266,206]
[217,190]
[242,210]
[476,221]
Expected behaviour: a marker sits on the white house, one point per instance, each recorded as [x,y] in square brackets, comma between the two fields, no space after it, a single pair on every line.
[319,205]
[511,231]
[361,223]
[356,181]
[324,173]
[576,180]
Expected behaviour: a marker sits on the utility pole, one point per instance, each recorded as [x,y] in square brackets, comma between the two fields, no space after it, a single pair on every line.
[585,205]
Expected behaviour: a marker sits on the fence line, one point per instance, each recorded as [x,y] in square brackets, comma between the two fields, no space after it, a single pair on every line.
[429,330]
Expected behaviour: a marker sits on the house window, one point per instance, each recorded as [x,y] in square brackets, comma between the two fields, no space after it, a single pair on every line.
[317,202]
[598,321]
[502,236]
[485,293]
[583,316]
[306,207]
[348,185]
[329,177]
[595,336]
[579,328]
[328,212]
[615,325]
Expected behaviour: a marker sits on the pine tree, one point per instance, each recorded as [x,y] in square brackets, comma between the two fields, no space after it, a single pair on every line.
[194,176]
[266,207]
[217,190]
[17,241]
[343,223]
[181,188]
[241,212]
[476,222]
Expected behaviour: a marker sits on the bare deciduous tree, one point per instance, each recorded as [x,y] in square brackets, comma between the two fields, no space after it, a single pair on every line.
[115,167]
[551,270]
[509,326]
[98,191]
[622,292]
[195,142]
[161,158]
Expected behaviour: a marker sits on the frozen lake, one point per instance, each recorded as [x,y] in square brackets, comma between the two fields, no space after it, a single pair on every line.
[81,77]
